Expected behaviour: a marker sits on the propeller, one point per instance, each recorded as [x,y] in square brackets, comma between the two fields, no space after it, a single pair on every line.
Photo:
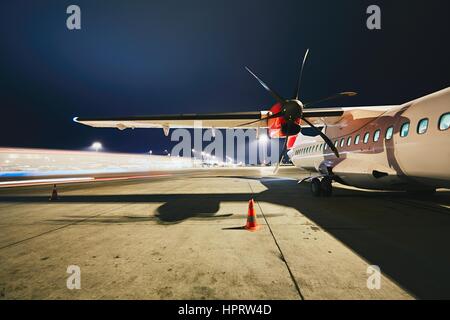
[265,86]
[297,92]
[335,96]
[275,115]
[324,137]
[292,111]
[283,150]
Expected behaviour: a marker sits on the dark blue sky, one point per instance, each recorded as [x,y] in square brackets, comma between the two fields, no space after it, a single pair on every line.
[147,57]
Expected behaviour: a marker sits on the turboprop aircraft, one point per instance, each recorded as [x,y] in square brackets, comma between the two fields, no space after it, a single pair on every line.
[392,147]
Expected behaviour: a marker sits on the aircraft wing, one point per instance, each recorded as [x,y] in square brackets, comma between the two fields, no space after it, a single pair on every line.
[188,120]
[205,120]
[342,115]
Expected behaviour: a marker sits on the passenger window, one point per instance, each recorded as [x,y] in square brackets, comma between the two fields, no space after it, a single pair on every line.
[357,139]
[349,141]
[336,143]
[342,142]
[389,133]
[325,146]
[404,129]
[376,135]
[366,137]
[444,121]
[422,126]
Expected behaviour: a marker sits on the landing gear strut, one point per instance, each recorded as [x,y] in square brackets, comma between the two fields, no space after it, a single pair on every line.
[321,187]
[315,187]
[327,189]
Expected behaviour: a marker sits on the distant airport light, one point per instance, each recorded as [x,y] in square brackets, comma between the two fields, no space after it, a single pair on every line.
[97,146]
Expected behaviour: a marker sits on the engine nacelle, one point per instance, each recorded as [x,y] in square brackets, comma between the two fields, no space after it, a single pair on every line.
[275,126]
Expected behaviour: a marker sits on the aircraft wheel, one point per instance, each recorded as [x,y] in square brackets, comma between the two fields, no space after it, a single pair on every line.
[326,187]
[315,187]
[421,193]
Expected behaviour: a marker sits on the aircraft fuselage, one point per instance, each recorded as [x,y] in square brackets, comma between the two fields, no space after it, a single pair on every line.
[404,147]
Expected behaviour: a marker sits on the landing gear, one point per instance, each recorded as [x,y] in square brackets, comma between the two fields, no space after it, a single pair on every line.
[326,187]
[316,187]
[321,187]
[421,193]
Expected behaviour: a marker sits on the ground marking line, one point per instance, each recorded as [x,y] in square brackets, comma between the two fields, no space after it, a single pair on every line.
[297,287]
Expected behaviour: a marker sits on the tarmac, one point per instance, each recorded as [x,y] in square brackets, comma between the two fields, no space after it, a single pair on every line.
[181,237]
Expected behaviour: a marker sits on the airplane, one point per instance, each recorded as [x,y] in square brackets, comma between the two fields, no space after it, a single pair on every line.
[393,147]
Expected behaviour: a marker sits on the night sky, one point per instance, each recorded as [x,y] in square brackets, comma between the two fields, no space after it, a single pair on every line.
[152,57]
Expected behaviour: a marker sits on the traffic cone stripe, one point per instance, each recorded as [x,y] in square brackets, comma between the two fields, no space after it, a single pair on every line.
[251,225]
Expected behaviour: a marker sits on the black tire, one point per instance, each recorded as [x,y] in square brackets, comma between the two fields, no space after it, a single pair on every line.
[327,189]
[421,193]
[316,190]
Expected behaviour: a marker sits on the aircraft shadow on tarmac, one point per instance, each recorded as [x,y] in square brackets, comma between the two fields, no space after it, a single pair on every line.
[406,238]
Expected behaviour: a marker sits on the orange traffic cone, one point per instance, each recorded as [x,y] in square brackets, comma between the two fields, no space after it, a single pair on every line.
[54,193]
[251,225]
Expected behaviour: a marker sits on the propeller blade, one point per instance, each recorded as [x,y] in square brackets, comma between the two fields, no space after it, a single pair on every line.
[282,151]
[324,137]
[273,93]
[338,95]
[281,155]
[275,115]
[297,91]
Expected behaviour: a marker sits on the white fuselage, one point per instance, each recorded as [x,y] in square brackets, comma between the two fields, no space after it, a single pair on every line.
[418,158]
